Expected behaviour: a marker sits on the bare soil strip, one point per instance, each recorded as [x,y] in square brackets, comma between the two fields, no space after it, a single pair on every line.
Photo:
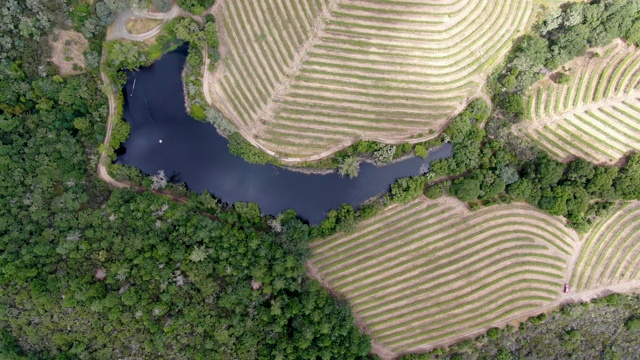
[430,273]
[466,38]
[610,250]
[430,270]
[587,117]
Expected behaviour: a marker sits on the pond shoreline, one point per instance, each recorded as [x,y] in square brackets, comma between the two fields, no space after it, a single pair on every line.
[165,137]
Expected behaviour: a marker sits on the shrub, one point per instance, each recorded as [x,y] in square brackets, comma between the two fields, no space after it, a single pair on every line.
[493,333]
[466,189]
[433,191]
[571,339]
[573,310]
[384,154]
[407,189]
[195,7]
[563,79]
[198,112]
[240,147]
[632,324]
[421,150]
[535,320]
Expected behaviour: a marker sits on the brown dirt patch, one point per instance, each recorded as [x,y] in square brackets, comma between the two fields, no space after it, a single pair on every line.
[67,49]
[142,25]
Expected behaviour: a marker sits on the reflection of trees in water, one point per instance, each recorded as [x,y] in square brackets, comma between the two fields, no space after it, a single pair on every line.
[174,177]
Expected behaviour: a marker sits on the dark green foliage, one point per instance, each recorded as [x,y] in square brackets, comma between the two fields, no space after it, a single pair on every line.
[240,147]
[560,37]
[580,171]
[195,7]
[467,189]
[467,137]
[407,189]
[632,323]
[571,339]
[188,30]
[633,35]
[628,180]
[535,320]
[435,191]
[123,55]
[341,219]
[485,169]
[421,151]
[612,300]
[119,133]
[346,217]
[513,105]
[493,333]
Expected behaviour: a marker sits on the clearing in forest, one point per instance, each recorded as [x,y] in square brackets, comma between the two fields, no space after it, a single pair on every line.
[611,251]
[596,113]
[429,271]
[142,25]
[302,79]
[67,48]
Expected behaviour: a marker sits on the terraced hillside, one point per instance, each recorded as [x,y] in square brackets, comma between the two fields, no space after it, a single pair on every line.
[423,273]
[611,251]
[596,115]
[301,79]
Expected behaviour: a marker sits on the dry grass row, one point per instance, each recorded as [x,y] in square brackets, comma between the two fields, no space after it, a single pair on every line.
[596,115]
[611,251]
[426,271]
[301,78]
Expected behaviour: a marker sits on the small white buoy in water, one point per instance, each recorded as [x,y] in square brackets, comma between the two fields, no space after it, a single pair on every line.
[160,141]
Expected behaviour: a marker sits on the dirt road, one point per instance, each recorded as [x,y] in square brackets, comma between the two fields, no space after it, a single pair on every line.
[104,160]
[118,30]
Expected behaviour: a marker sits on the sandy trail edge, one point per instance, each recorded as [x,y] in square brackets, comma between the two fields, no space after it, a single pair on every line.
[118,31]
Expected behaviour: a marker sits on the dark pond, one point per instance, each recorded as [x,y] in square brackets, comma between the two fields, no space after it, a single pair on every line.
[194,153]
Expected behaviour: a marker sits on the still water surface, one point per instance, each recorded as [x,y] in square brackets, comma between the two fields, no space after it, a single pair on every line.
[192,152]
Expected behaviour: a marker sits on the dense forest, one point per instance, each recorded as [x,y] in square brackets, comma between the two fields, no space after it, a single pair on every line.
[92,272]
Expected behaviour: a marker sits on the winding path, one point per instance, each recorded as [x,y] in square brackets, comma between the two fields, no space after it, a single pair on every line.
[117,31]
[103,174]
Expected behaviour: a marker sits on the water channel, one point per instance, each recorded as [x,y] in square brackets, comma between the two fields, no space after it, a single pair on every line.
[164,137]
